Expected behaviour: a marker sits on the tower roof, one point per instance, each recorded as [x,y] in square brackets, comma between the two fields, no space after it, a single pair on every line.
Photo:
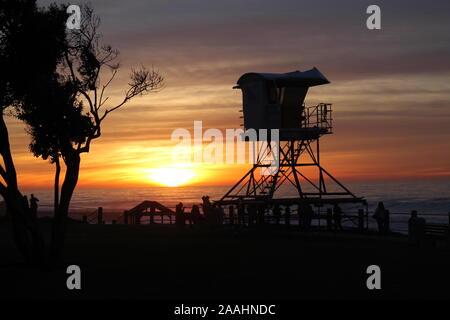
[308,78]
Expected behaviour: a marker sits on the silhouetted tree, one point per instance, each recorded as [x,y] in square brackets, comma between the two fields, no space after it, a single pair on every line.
[51,79]
[32,44]
[65,128]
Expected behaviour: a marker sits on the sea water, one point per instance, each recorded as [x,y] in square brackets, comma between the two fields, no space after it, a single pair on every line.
[431,198]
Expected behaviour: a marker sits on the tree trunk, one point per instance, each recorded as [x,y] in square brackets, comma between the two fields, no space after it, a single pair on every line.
[21,232]
[72,161]
[26,233]
[56,187]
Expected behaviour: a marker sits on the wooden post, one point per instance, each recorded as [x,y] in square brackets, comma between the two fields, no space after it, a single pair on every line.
[231,215]
[412,228]
[99,215]
[152,215]
[113,221]
[448,232]
[170,218]
[318,210]
[85,219]
[367,216]
[125,217]
[361,219]
[329,219]
[287,215]
[138,218]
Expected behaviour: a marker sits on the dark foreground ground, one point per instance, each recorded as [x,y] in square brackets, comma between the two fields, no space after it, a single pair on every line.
[163,262]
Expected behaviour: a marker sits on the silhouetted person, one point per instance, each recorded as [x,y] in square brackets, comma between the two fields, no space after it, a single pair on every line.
[25,202]
[179,214]
[195,214]
[188,217]
[277,213]
[34,205]
[380,216]
[337,216]
[287,215]
[206,206]
[416,229]
[231,214]
[210,215]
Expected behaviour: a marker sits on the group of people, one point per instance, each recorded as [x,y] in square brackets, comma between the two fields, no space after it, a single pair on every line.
[181,215]
[256,214]
[249,214]
[212,214]
[305,214]
[32,204]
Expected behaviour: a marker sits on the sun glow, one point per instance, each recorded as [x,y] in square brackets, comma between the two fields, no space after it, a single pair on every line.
[171,177]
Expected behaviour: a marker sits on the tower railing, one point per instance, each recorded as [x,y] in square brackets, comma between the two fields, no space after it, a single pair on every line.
[319,116]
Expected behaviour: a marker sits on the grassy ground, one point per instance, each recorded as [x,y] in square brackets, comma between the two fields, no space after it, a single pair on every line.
[164,262]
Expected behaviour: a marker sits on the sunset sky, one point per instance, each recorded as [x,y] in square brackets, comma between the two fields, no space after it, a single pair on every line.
[390,88]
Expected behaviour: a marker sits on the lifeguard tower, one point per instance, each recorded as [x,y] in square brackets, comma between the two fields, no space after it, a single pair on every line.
[276,101]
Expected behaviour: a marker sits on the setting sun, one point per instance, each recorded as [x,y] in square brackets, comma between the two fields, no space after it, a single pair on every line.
[171,177]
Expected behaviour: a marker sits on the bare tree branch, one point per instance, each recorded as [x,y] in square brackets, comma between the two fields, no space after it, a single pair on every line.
[142,82]
[86,59]
[104,87]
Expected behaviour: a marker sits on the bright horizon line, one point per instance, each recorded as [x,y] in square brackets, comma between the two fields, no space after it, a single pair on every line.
[187,185]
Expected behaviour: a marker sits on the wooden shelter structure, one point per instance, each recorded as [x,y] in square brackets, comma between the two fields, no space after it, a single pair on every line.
[149,209]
